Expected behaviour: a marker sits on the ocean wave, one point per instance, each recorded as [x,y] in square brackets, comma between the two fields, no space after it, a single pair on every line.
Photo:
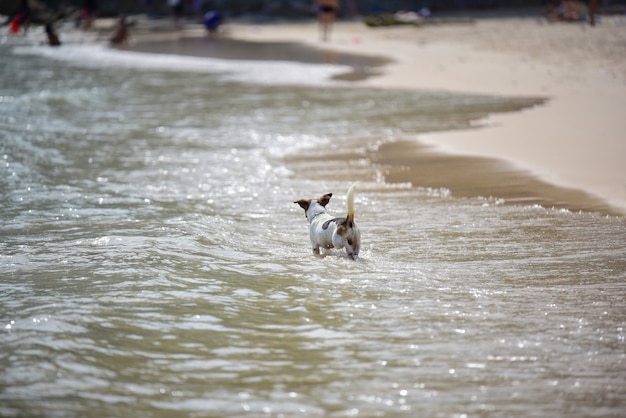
[262,72]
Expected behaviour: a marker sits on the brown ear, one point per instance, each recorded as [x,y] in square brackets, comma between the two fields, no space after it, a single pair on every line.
[325,199]
[304,204]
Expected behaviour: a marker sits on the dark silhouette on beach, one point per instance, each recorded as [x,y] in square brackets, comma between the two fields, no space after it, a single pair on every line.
[212,21]
[21,21]
[88,13]
[177,7]
[327,11]
[53,38]
[121,34]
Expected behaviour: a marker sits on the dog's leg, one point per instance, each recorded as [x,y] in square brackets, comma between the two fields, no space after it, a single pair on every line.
[317,252]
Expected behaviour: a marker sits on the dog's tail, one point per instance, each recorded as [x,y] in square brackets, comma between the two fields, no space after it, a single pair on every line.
[350,204]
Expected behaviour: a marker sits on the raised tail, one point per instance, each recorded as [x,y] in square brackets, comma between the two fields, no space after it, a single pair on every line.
[350,203]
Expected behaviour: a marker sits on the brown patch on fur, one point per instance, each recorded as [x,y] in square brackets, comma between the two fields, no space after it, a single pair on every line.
[342,229]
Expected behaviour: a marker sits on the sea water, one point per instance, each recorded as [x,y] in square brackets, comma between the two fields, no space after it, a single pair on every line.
[153,263]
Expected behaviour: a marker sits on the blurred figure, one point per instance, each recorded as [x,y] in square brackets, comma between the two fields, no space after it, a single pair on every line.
[150,7]
[352,9]
[212,21]
[120,37]
[177,12]
[327,11]
[593,6]
[88,13]
[22,19]
[197,6]
[567,11]
[53,38]
[407,16]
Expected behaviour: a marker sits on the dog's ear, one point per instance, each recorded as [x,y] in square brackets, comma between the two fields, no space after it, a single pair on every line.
[325,199]
[304,204]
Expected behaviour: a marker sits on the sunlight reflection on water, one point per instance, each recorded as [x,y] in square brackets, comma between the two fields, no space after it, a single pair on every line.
[152,260]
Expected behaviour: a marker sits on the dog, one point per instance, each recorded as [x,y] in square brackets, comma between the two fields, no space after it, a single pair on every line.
[328,232]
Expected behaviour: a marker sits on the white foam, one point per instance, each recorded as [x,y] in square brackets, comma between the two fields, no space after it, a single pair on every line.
[263,72]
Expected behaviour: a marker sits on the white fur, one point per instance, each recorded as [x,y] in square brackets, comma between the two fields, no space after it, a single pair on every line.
[327,231]
[350,199]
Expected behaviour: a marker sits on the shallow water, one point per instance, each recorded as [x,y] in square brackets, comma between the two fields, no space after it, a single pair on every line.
[153,262]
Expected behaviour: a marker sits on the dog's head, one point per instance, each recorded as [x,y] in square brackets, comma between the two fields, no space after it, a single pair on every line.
[313,207]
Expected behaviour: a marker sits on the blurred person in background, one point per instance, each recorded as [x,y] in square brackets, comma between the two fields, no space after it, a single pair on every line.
[327,11]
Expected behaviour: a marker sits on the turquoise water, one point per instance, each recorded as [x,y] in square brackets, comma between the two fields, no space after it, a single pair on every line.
[153,264]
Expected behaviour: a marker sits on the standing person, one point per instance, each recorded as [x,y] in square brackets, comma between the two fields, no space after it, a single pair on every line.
[593,6]
[53,38]
[89,13]
[177,11]
[22,19]
[150,7]
[197,6]
[327,11]
[120,36]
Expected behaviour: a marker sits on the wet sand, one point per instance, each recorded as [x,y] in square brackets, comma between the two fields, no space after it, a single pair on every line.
[363,66]
[568,152]
[227,48]
[483,180]
[575,140]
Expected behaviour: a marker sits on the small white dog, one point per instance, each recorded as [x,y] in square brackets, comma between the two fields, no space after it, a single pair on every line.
[329,232]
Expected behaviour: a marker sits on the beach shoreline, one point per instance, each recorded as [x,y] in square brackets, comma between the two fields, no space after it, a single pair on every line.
[574,140]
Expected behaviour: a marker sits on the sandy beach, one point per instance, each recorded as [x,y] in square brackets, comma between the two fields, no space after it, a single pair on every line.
[575,140]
